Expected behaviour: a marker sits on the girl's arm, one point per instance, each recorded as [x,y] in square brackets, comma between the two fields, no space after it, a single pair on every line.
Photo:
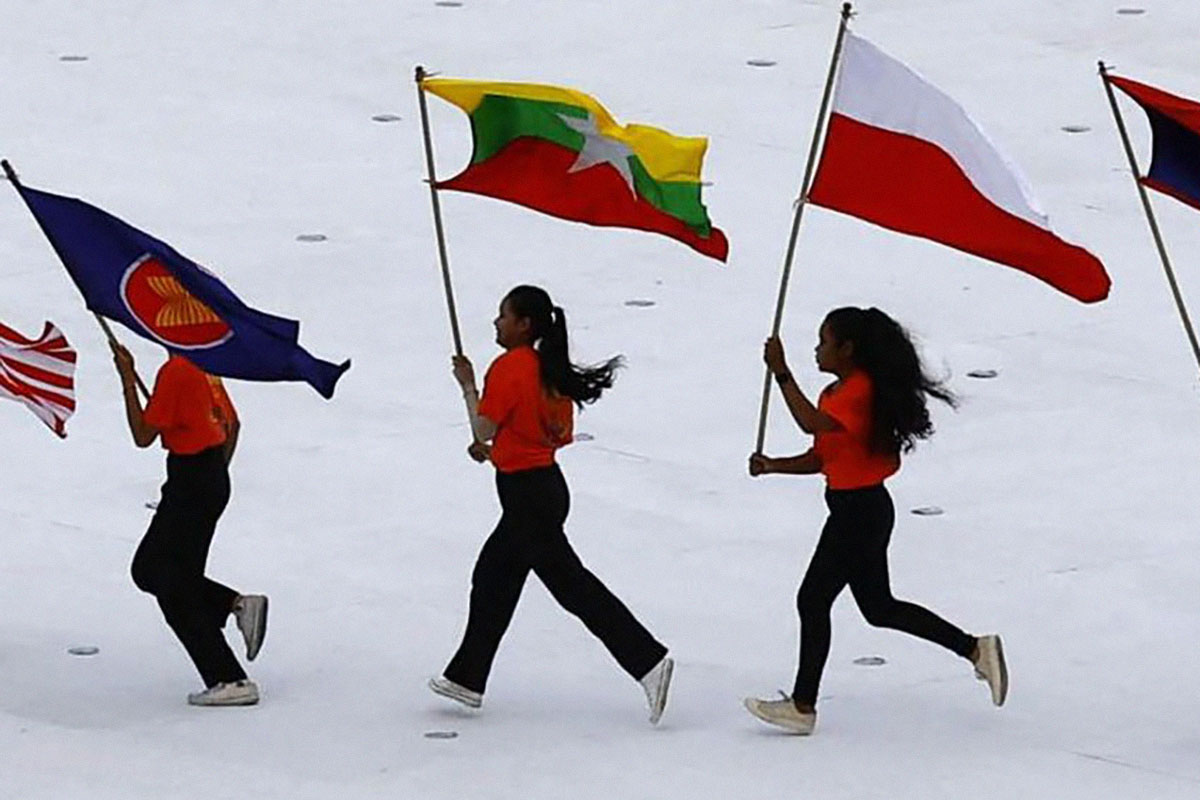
[143,434]
[807,416]
[482,427]
[808,463]
[231,439]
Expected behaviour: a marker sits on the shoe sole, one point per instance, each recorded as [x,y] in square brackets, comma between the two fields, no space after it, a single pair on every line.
[750,704]
[254,642]
[469,702]
[664,687]
[1003,674]
[249,701]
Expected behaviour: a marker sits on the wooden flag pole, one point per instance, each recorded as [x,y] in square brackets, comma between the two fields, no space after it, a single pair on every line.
[112,340]
[1144,195]
[11,174]
[437,212]
[802,201]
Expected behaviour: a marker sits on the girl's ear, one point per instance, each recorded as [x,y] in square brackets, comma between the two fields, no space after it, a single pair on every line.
[846,349]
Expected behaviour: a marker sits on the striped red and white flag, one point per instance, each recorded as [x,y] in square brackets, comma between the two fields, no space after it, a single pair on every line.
[39,373]
[902,154]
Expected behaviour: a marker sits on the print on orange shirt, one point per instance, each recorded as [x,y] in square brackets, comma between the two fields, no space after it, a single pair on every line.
[846,456]
[185,409]
[530,425]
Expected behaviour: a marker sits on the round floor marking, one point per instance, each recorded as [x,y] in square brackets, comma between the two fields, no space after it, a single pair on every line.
[441,734]
[928,511]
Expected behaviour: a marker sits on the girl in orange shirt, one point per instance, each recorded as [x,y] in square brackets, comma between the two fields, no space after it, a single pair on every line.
[875,410]
[526,414]
[191,412]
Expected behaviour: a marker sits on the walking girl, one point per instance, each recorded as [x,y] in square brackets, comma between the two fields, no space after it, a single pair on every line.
[863,421]
[198,425]
[526,415]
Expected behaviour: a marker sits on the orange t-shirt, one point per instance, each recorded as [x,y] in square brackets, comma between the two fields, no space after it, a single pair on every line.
[530,425]
[187,409]
[846,456]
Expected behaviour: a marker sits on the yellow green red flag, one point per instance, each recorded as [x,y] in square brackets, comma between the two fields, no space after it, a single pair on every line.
[559,151]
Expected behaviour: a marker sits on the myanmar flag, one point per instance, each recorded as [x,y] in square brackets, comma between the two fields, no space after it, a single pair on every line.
[559,151]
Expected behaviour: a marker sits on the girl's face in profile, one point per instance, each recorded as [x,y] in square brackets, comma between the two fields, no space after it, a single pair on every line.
[833,356]
[511,330]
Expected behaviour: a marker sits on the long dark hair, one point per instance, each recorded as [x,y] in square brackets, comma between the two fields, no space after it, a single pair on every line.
[884,350]
[548,330]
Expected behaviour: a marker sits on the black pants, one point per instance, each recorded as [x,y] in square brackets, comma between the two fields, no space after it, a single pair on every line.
[853,550]
[169,562]
[528,537]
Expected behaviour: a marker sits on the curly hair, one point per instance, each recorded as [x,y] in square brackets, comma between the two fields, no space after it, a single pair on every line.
[884,350]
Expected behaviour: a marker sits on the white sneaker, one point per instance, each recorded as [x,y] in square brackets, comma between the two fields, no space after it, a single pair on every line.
[233,693]
[782,713]
[656,682]
[448,688]
[250,613]
[990,667]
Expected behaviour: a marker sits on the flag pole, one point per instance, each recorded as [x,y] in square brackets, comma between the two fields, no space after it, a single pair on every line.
[11,174]
[437,212]
[112,340]
[802,201]
[1158,240]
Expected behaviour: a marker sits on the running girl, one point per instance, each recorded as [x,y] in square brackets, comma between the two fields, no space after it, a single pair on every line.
[526,414]
[875,410]
[199,427]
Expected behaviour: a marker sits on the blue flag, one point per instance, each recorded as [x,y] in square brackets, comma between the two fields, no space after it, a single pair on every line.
[1175,124]
[131,277]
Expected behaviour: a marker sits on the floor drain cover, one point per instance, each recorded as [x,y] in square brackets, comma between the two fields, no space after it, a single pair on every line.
[982,373]
[85,650]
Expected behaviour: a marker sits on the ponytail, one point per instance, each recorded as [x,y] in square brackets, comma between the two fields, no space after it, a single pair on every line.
[582,384]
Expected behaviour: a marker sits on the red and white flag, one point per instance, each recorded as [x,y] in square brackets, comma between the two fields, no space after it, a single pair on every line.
[39,373]
[903,155]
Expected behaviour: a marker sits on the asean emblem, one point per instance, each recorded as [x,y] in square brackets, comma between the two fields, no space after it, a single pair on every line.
[167,311]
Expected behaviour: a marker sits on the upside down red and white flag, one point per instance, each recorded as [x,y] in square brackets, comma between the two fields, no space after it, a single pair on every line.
[40,373]
[903,155]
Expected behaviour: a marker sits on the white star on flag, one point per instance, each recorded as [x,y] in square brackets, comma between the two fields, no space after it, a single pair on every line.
[600,149]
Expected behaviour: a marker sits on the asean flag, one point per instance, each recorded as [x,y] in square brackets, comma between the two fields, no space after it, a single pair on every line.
[903,155]
[131,277]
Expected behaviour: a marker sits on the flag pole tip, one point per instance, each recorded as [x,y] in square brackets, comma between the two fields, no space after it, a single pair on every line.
[846,10]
